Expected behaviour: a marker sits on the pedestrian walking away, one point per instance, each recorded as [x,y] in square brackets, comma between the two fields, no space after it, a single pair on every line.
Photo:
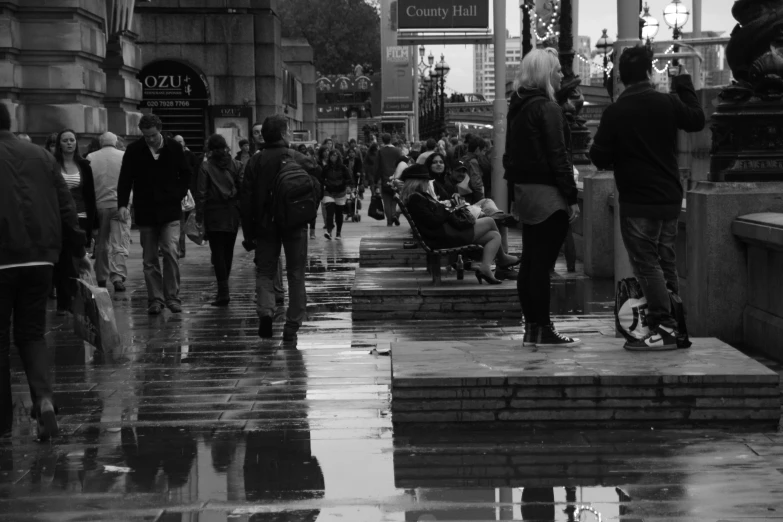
[637,139]
[389,159]
[39,215]
[268,235]
[156,170]
[217,207]
[545,192]
[111,248]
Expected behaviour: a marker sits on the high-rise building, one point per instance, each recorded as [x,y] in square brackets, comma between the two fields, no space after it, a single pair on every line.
[582,60]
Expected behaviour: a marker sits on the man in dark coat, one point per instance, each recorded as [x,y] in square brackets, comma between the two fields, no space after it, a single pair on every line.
[267,237]
[156,170]
[638,138]
[37,217]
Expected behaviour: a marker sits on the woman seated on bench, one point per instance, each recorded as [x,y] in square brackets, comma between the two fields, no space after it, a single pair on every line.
[446,184]
[432,220]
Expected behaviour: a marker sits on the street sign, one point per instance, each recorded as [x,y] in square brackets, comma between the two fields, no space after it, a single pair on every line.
[442,15]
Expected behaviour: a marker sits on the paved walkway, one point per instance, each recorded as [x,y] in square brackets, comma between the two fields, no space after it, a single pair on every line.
[195,419]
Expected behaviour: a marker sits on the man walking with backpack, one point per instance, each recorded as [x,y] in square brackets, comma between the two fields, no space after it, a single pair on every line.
[638,137]
[279,199]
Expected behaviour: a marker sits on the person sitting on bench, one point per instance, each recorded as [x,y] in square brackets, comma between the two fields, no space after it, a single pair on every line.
[432,220]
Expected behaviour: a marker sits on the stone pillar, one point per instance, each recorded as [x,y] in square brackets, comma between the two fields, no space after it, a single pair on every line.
[598,225]
[716,292]
[53,70]
[500,107]
[298,58]
[268,59]
[123,89]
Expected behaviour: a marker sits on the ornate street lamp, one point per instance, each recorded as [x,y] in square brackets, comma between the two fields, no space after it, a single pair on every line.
[676,16]
[442,70]
[604,44]
[650,27]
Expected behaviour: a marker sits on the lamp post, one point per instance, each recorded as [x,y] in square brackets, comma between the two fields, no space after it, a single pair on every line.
[442,70]
[425,88]
[650,27]
[603,44]
[676,16]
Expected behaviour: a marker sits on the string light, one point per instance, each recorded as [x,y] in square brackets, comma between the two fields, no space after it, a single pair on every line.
[595,66]
[668,63]
[549,26]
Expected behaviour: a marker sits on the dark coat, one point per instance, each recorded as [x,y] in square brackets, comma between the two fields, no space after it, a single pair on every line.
[638,138]
[217,205]
[158,185]
[431,219]
[387,160]
[538,143]
[336,178]
[37,212]
[357,171]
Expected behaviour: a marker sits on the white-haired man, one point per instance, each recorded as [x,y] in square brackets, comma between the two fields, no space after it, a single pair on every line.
[111,247]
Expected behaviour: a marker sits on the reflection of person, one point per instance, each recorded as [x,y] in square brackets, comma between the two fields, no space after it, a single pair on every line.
[432,220]
[40,217]
[544,188]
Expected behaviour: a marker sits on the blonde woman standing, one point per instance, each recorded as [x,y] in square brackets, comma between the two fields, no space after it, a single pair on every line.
[539,165]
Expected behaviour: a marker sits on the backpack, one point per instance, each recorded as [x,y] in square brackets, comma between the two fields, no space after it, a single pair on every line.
[295,195]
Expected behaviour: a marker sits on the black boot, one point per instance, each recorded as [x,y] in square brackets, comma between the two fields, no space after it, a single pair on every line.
[223,297]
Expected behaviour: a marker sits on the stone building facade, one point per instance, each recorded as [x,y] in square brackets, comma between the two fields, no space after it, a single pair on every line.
[203,65]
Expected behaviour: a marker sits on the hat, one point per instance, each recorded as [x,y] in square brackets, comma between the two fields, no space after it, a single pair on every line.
[415,171]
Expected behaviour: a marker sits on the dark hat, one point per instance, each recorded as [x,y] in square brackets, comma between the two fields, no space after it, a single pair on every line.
[415,171]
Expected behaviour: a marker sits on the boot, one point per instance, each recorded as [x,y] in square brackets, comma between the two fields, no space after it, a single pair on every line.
[223,297]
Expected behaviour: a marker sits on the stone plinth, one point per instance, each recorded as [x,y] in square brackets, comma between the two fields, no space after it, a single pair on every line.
[597,384]
[598,225]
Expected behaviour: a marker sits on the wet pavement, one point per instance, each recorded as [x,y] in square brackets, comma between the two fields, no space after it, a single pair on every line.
[195,419]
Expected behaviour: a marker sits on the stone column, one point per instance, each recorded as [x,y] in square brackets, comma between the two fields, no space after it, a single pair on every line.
[268,59]
[500,106]
[597,225]
[53,72]
[298,58]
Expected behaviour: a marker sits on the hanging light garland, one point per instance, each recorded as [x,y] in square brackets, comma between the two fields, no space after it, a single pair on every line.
[668,63]
[595,66]
[548,26]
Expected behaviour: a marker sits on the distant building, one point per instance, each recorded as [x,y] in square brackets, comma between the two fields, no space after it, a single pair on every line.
[582,60]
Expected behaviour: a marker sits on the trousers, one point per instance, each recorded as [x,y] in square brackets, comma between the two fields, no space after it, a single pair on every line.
[221,244]
[294,243]
[162,288]
[112,246]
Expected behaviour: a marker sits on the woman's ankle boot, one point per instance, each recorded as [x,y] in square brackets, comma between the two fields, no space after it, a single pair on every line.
[223,297]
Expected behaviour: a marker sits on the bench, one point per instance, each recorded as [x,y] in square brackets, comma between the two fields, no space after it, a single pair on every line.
[433,254]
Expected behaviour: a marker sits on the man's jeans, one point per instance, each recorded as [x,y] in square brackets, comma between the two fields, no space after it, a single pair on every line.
[267,260]
[23,294]
[111,246]
[165,289]
[650,244]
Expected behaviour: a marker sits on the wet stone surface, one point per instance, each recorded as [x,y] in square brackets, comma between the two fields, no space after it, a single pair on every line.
[196,419]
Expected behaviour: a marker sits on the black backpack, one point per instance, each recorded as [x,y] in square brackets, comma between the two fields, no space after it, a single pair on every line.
[295,195]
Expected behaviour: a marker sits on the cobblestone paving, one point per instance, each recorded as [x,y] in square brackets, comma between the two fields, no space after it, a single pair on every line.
[197,420]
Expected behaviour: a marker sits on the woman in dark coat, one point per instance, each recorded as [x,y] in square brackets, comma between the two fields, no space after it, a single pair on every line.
[353,163]
[337,181]
[544,188]
[78,176]
[432,220]
[217,208]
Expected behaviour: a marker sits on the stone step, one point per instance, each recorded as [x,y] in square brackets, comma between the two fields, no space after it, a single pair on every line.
[595,384]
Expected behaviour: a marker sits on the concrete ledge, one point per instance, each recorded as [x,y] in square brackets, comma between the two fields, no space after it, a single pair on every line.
[763,332]
[765,229]
[599,383]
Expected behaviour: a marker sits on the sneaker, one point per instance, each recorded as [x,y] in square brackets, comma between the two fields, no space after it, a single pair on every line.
[328,235]
[547,335]
[338,236]
[660,339]
[47,421]
[119,286]
[312,234]
[531,330]
[175,308]
[155,309]
[265,328]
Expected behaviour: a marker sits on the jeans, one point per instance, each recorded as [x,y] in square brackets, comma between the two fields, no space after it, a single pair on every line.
[267,262]
[23,294]
[390,207]
[540,248]
[650,245]
[334,212]
[111,246]
[165,289]
[221,244]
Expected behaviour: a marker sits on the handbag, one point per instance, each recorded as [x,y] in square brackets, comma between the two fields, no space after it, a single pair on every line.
[93,316]
[376,207]
[461,218]
[188,203]
[194,230]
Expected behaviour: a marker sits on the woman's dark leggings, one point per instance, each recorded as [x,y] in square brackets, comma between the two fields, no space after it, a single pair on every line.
[334,212]
[540,247]
[222,246]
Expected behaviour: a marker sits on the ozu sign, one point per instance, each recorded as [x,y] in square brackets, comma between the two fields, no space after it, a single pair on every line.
[171,80]
[442,14]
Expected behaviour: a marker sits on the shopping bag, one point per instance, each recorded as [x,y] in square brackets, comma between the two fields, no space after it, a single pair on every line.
[93,316]
[630,312]
[376,207]
[194,230]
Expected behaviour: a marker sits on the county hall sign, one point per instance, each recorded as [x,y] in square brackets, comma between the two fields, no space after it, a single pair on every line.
[442,14]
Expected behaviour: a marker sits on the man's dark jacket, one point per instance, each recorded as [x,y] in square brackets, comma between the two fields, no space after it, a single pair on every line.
[158,185]
[538,143]
[638,138]
[257,186]
[37,212]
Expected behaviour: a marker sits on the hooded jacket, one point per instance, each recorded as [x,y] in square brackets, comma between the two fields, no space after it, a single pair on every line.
[538,143]
[217,195]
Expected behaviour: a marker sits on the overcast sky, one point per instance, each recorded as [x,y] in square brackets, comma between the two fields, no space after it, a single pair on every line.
[594,15]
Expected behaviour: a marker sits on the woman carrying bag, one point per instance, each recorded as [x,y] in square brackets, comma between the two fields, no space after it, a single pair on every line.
[217,208]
